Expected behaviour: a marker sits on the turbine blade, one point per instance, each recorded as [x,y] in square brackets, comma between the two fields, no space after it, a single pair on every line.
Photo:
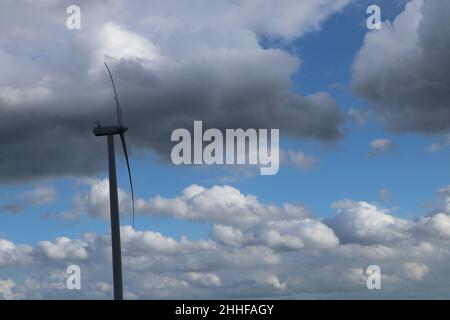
[124,146]
[118,109]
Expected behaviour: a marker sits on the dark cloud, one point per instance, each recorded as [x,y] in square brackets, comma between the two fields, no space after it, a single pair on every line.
[170,71]
[403,70]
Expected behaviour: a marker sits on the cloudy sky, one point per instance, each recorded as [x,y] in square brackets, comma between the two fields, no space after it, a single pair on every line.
[364,119]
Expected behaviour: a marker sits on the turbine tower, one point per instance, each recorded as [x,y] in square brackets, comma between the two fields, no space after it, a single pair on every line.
[110,132]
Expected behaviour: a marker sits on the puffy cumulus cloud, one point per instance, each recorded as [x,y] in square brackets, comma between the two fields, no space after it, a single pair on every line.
[295,234]
[281,253]
[173,62]
[403,69]
[159,265]
[280,235]
[95,200]
[362,222]
[11,254]
[228,235]
[148,241]
[437,224]
[274,238]
[156,266]
[238,218]
[63,248]
[223,204]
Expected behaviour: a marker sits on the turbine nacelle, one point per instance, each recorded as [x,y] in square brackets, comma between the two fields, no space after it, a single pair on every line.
[104,131]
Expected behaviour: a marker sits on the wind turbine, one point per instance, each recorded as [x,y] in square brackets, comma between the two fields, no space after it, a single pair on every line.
[110,132]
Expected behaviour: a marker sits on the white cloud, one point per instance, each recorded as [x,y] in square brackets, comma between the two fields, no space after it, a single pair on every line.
[274,239]
[7,288]
[299,159]
[117,43]
[148,241]
[95,201]
[274,281]
[300,233]
[222,204]
[205,279]
[415,271]
[362,222]
[437,224]
[228,235]
[41,195]
[381,146]
[64,248]
[11,253]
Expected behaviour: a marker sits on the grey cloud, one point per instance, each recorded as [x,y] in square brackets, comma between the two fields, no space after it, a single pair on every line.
[40,195]
[403,70]
[171,69]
